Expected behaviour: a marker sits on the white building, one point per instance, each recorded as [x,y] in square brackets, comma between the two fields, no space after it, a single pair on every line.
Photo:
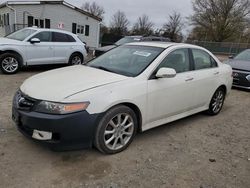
[56,14]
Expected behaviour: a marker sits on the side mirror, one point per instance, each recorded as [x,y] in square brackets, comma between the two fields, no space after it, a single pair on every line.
[231,57]
[34,40]
[165,73]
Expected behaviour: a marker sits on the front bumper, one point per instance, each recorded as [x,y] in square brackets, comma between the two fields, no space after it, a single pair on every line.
[241,79]
[71,131]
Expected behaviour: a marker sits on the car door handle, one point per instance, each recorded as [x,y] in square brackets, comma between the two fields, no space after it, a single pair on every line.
[189,79]
[216,73]
[51,47]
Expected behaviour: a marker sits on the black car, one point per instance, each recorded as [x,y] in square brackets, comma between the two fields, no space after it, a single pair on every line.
[128,39]
[241,69]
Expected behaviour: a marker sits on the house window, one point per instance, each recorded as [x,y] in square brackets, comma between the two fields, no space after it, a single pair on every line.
[36,23]
[47,23]
[86,30]
[74,28]
[41,23]
[4,20]
[30,21]
[7,19]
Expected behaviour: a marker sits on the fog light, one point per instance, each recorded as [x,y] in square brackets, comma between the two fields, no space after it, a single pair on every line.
[42,135]
[248,78]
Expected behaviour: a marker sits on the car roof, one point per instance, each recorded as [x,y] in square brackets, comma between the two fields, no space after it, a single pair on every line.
[162,44]
[44,29]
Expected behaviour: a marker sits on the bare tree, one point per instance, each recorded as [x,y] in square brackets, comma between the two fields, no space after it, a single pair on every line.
[173,28]
[143,26]
[94,9]
[221,19]
[119,23]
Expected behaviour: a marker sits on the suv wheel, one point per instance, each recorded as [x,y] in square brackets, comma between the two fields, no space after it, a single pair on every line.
[76,59]
[116,130]
[10,63]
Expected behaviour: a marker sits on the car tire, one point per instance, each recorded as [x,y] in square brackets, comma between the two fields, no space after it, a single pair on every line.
[217,102]
[10,63]
[76,59]
[116,130]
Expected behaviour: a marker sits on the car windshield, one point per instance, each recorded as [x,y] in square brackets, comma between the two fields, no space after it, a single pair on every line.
[21,34]
[128,60]
[244,56]
[126,40]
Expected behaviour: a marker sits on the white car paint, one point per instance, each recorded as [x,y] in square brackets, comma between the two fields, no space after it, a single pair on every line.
[160,100]
[43,52]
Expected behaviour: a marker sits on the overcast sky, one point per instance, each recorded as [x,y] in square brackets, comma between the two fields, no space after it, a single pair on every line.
[157,10]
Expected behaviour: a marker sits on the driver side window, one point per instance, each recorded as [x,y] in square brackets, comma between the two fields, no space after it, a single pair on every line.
[43,36]
[178,60]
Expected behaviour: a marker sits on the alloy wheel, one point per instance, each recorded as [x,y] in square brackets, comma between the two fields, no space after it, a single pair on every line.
[10,64]
[118,131]
[76,60]
[218,100]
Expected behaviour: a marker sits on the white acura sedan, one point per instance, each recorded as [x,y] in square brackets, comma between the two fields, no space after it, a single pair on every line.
[131,88]
[36,46]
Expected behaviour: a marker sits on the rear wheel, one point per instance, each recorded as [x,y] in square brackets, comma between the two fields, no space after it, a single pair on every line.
[116,130]
[10,63]
[217,101]
[76,59]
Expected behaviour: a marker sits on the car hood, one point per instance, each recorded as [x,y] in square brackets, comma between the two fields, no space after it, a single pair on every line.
[5,41]
[106,48]
[239,64]
[59,84]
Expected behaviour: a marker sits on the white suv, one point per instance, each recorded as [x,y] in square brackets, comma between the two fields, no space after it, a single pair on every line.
[35,46]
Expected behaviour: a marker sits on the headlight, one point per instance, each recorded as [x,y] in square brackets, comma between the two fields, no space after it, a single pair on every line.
[248,78]
[60,108]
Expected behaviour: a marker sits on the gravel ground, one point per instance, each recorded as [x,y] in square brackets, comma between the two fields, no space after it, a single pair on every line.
[199,151]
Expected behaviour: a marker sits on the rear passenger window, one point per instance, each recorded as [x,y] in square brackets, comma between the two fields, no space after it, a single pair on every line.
[44,36]
[61,37]
[202,60]
[178,60]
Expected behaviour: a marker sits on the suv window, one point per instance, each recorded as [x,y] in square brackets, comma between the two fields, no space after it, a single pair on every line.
[62,37]
[44,36]
[202,60]
[178,60]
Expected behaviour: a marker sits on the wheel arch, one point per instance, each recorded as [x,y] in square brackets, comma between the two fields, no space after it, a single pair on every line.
[136,110]
[13,52]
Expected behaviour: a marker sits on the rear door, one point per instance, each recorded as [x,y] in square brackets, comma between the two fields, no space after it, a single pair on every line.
[206,75]
[40,53]
[64,45]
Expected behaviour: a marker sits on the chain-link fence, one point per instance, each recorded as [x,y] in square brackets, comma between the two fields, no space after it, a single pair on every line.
[222,48]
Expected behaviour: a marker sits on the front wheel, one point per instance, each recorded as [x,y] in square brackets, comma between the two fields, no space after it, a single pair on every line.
[217,102]
[76,59]
[9,63]
[116,130]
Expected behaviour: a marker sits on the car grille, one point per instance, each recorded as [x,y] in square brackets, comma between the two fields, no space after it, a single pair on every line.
[241,78]
[23,102]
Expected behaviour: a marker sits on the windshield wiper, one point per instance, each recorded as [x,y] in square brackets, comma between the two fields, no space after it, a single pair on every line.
[104,68]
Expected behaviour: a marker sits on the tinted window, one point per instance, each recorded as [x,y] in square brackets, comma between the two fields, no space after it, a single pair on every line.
[61,37]
[202,60]
[178,60]
[44,36]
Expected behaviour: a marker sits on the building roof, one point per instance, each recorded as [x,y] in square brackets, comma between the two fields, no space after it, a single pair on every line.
[54,2]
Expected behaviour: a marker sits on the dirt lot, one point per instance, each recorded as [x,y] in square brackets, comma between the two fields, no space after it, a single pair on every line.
[175,155]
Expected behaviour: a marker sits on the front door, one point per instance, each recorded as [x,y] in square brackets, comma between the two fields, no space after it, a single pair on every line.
[40,53]
[171,96]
